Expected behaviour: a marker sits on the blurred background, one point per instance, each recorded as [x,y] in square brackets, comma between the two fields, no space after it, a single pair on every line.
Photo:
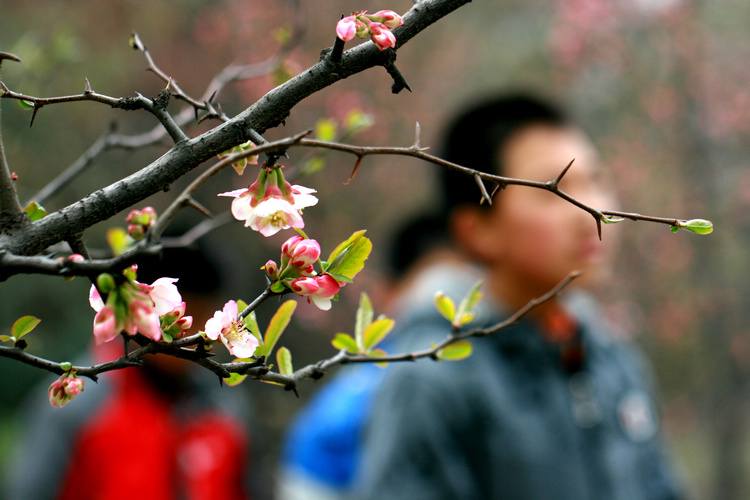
[661,85]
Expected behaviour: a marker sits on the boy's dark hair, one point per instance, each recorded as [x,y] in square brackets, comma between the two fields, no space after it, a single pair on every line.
[473,139]
[476,138]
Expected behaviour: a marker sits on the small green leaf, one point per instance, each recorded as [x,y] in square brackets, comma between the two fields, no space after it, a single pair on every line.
[376,332]
[35,211]
[674,229]
[23,325]
[465,319]
[284,360]
[314,164]
[7,338]
[234,379]
[611,219]
[698,226]
[456,351]
[377,353]
[445,306]
[343,246]
[26,104]
[325,129]
[357,121]
[468,303]
[349,257]
[278,287]
[118,240]
[66,366]
[363,319]
[276,327]
[345,341]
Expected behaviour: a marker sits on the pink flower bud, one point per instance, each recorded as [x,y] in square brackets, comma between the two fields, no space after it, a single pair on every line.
[346,28]
[387,17]
[271,268]
[290,244]
[382,36]
[304,286]
[64,389]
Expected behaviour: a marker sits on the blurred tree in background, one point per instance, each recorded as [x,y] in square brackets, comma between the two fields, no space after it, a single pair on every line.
[661,85]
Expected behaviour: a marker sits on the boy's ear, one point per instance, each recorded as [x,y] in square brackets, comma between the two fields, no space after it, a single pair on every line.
[474,234]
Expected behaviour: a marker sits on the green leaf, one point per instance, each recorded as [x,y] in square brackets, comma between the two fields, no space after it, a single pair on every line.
[345,341]
[278,287]
[376,332]
[276,327]
[377,353]
[363,319]
[468,303]
[118,240]
[611,219]
[349,257]
[35,211]
[7,338]
[284,360]
[456,351]
[698,226]
[466,318]
[251,323]
[357,121]
[314,164]
[26,104]
[445,306]
[234,379]
[674,229]
[23,325]
[325,129]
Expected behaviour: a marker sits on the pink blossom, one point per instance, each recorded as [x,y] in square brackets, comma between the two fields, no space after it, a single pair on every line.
[275,212]
[320,289]
[389,18]
[272,269]
[95,299]
[64,389]
[382,36]
[164,295]
[301,252]
[304,286]
[346,28]
[105,324]
[226,327]
[143,318]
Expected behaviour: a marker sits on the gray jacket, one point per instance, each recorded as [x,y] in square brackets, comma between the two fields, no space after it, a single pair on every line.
[510,423]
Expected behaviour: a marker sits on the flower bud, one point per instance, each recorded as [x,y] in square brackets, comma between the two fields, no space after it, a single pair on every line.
[271,268]
[389,18]
[304,286]
[105,282]
[382,36]
[346,28]
[64,389]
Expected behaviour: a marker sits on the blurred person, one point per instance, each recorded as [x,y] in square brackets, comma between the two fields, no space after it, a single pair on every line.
[554,407]
[165,430]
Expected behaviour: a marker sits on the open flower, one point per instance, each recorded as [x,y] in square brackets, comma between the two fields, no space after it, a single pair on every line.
[134,307]
[226,327]
[275,211]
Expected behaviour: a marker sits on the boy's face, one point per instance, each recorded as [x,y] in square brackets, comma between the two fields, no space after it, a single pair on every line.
[533,238]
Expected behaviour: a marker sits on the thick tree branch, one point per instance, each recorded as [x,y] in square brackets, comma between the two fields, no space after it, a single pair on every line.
[268,112]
